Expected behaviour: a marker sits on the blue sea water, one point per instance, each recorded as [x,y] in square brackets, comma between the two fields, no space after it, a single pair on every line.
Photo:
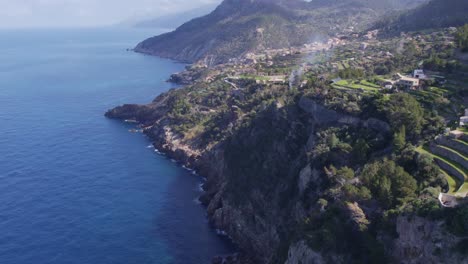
[76,187]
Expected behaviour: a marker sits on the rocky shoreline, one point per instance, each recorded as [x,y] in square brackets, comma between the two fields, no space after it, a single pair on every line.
[166,143]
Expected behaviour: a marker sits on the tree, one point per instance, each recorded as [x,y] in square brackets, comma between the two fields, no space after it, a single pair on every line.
[333,141]
[381,70]
[462,38]
[345,173]
[403,110]
[389,183]
[399,139]
[361,150]
[458,221]
[356,193]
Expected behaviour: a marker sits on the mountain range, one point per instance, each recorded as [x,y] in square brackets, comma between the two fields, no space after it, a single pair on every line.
[239,26]
[172,21]
[433,14]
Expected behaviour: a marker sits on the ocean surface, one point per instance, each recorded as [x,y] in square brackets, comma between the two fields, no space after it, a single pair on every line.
[76,187]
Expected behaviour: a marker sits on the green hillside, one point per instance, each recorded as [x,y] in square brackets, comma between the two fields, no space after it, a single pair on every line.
[240,26]
[434,14]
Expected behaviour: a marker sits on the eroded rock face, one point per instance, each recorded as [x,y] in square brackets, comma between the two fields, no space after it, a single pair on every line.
[318,112]
[423,241]
[300,253]
[182,78]
[322,116]
[304,179]
[357,217]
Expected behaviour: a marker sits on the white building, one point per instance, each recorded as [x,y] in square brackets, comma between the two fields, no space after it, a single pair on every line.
[408,82]
[419,74]
[464,121]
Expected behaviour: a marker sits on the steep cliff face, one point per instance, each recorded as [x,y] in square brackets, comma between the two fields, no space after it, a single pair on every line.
[256,200]
[301,253]
[256,179]
[248,192]
[423,241]
[419,240]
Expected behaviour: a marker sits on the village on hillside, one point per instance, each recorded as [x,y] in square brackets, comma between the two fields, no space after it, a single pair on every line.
[423,64]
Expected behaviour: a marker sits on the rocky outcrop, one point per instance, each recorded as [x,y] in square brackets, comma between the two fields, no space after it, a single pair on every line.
[357,217]
[305,177]
[130,112]
[322,115]
[300,253]
[424,241]
[191,75]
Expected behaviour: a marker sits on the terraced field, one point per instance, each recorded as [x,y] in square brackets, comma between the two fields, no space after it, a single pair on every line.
[451,156]
[361,85]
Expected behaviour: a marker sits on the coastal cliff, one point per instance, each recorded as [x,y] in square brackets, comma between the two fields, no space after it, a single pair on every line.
[270,174]
[310,168]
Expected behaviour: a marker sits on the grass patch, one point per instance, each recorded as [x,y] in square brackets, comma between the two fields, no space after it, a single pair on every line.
[438,90]
[454,184]
[254,77]
[463,188]
[426,96]
[463,129]
[461,141]
[363,85]
[373,85]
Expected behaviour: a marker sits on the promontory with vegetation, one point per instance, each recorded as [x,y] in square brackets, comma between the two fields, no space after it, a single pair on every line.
[328,131]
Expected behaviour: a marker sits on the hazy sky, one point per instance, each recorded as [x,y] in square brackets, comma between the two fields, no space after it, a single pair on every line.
[66,13]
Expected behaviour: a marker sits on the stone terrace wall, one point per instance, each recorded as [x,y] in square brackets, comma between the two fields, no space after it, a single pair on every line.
[451,170]
[452,144]
[449,155]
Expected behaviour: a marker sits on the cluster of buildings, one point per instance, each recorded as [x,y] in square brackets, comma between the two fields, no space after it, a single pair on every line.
[412,82]
[316,46]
